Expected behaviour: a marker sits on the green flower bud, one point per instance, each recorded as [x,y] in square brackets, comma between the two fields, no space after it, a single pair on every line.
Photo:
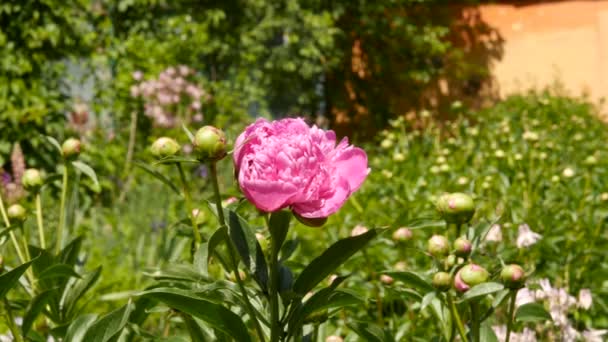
[442,281]
[164,147]
[16,213]
[462,247]
[473,274]
[32,180]
[71,148]
[210,143]
[590,161]
[438,246]
[450,261]
[456,207]
[513,276]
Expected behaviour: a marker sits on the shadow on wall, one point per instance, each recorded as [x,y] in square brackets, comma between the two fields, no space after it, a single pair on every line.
[401,60]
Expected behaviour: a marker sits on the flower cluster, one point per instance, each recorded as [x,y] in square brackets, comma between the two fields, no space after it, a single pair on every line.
[171,98]
[286,163]
[560,304]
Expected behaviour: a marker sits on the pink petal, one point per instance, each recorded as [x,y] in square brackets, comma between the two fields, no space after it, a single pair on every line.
[325,207]
[351,164]
[267,196]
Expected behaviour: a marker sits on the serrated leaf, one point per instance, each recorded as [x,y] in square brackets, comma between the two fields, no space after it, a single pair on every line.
[211,313]
[108,326]
[532,312]
[332,258]
[481,290]
[158,176]
[87,170]
[412,279]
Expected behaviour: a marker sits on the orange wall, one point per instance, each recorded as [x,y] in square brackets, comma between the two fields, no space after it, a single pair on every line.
[544,42]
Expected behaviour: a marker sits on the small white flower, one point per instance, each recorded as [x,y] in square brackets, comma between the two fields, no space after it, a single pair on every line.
[462,180]
[499,154]
[494,234]
[584,299]
[568,172]
[528,335]
[592,335]
[524,296]
[526,237]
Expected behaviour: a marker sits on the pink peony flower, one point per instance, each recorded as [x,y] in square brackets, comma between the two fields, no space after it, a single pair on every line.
[286,163]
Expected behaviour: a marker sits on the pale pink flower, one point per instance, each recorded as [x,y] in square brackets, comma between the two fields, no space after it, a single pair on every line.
[524,296]
[287,164]
[137,75]
[358,230]
[593,335]
[526,237]
[494,234]
[585,299]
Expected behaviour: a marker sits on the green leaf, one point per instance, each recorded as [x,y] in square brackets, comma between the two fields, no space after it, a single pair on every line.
[332,258]
[76,290]
[371,332]
[413,280]
[10,278]
[58,271]
[279,226]
[532,312]
[87,170]
[110,325]
[248,247]
[421,223]
[55,143]
[213,314]
[158,176]
[188,133]
[34,308]
[481,290]
[427,299]
[4,233]
[69,254]
[79,327]
[486,333]
[175,159]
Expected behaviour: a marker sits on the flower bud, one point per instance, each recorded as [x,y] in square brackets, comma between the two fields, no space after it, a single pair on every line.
[456,207]
[513,276]
[16,213]
[386,279]
[438,246]
[450,261]
[358,230]
[71,148]
[314,222]
[473,274]
[462,247]
[402,234]
[210,143]
[32,180]
[442,281]
[459,284]
[164,147]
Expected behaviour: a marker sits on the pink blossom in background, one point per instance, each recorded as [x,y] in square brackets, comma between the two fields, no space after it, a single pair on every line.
[286,163]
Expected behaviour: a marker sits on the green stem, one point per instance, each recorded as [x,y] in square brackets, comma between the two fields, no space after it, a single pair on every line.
[11,322]
[220,213]
[511,311]
[7,223]
[39,220]
[475,321]
[273,292]
[456,318]
[64,192]
[188,197]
